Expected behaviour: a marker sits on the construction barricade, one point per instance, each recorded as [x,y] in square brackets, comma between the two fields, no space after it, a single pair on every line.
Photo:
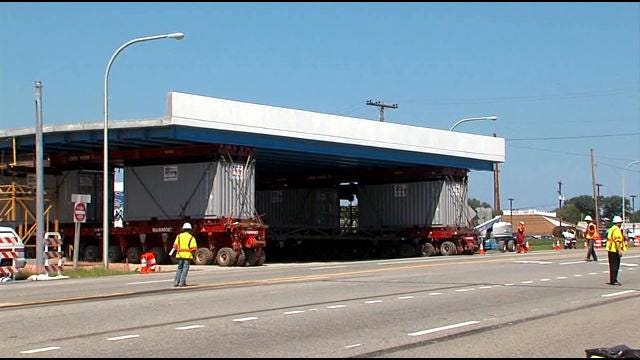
[148,263]
[9,254]
[53,256]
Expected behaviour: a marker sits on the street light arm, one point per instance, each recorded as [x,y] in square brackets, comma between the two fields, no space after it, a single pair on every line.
[492,118]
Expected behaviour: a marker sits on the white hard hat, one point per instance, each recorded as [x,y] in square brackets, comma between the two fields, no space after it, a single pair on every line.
[617,219]
[588,218]
[522,222]
[186,226]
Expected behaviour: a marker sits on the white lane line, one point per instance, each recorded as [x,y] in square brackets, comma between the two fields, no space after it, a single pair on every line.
[532,262]
[509,284]
[593,273]
[573,262]
[429,331]
[405,297]
[485,287]
[149,282]
[352,346]
[328,267]
[619,293]
[246,319]
[465,290]
[314,309]
[293,312]
[189,327]
[628,264]
[527,282]
[545,279]
[124,337]
[336,306]
[373,301]
[561,277]
[435,293]
[605,271]
[33,351]
[577,275]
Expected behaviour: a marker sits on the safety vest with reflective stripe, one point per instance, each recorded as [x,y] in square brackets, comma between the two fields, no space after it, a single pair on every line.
[185,243]
[615,240]
[591,232]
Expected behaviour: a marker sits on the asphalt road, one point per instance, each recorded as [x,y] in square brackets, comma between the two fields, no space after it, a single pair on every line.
[543,304]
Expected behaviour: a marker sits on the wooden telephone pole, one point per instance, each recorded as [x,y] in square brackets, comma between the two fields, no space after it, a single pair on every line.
[382,105]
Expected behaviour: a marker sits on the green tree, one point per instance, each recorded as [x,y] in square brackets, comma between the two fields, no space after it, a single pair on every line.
[570,213]
[584,204]
[611,206]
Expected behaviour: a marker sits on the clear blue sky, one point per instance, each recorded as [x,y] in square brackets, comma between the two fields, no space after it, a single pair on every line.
[548,71]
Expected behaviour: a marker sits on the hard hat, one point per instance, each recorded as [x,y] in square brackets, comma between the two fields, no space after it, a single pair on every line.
[617,219]
[588,218]
[522,222]
[186,226]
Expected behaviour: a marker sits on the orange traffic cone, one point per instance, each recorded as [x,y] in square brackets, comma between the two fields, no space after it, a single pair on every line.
[481,252]
[526,247]
[557,247]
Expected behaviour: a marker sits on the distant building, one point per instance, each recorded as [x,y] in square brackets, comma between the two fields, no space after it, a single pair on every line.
[537,223]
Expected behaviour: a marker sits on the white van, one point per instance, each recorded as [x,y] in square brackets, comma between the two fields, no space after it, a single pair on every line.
[9,240]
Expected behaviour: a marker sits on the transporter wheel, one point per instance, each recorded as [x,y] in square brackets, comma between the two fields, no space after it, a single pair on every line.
[251,257]
[115,254]
[241,259]
[133,254]
[226,256]
[262,258]
[203,256]
[159,254]
[448,248]
[91,253]
[427,249]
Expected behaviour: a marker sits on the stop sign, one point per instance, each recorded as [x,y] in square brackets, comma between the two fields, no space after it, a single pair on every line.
[80,212]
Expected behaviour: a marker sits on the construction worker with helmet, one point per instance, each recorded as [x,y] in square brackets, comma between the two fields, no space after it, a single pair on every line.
[591,235]
[520,235]
[185,245]
[615,247]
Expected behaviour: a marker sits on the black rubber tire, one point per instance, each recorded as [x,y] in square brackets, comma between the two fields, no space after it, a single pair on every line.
[448,248]
[511,246]
[159,254]
[241,260]
[133,254]
[91,253]
[203,256]
[115,254]
[226,257]
[427,249]
[502,246]
[407,250]
[251,257]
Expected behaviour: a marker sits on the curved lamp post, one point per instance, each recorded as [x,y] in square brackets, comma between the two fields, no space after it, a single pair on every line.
[623,172]
[105,169]
[492,118]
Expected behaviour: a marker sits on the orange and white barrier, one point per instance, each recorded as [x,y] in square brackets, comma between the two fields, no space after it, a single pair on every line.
[148,263]
[481,251]
[53,239]
[9,272]
[598,244]
[636,241]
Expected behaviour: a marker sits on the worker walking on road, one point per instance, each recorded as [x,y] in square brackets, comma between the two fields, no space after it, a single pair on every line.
[185,245]
[615,247]
[591,235]
[520,235]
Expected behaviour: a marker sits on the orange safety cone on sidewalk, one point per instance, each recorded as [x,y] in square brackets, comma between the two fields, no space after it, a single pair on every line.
[526,247]
[481,252]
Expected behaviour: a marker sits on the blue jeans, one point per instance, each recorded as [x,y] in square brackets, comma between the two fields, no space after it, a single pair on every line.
[181,272]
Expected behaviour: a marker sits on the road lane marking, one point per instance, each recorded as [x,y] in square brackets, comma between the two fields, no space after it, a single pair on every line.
[328,267]
[577,275]
[561,277]
[293,312]
[527,282]
[573,262]
[628,264]
[246,319]
[405,297]
[485,287]
[336,306]
[532,262]
[435,293]
[545,279]
[509,284]
[593,273]
[124,337]
[605,271]
[619,293]
[149,282]
[33,351]
[352,346]
[465,290]
[373,301]
[189,327]
[429,331]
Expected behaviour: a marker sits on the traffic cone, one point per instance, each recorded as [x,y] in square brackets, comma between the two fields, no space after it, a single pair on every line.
[557,247]
[481,252]
[526,246]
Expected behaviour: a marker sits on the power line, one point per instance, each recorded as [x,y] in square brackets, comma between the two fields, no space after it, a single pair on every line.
[573,137]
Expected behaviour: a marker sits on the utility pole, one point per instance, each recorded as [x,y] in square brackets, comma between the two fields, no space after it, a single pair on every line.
[598,206]
[496,187]
[560,203]
[633,210]
[39,181]
[511,209]
[593,182]
[382,105]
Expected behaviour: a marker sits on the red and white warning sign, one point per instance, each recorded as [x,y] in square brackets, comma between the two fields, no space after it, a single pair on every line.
[79,212]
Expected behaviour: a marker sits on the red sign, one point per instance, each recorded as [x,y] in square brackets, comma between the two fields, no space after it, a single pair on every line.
[80,212]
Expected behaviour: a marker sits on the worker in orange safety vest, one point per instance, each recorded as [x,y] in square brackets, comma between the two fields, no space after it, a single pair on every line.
[185,245]
[591,235]
[520,235]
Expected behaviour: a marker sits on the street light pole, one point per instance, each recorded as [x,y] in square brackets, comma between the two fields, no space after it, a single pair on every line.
[633,210]
[511,209]
[105,168]
[623,197]
[492,118]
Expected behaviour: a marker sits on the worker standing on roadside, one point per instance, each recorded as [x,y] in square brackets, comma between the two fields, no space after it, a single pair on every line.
[615,247]
[591,235]
[520,235]
[185,245]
